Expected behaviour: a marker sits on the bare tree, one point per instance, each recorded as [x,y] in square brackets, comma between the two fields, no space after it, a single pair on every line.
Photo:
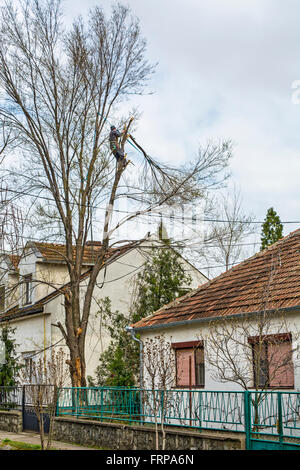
[60,89]
[159,378]
[226,235]
[254,350]
[11,242]
[44,379]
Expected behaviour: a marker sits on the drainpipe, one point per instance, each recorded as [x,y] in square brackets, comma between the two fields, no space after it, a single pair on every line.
[130,330]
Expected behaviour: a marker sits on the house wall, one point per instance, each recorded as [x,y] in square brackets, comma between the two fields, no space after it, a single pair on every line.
[32,334]
[196,331]
[12,290]
[116,281]
[54,274]
[27,265]
[9,278]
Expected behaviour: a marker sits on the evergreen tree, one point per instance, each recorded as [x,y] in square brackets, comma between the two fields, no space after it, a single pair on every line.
[271,229]
[118,363]
[9,368]
[160,282]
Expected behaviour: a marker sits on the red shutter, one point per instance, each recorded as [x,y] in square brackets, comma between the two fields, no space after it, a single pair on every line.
[185,367]
[281,370]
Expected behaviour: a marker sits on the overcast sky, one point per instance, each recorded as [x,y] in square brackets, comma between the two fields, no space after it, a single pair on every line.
[226,69]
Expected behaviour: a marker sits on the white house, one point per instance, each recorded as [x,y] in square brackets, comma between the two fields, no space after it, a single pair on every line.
[32,305]
[244,323]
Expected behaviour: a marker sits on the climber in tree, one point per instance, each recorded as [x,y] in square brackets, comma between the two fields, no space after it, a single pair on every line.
[114,144]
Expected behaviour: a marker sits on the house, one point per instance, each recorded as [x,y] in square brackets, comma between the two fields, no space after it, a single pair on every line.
[243,324]
[32,304]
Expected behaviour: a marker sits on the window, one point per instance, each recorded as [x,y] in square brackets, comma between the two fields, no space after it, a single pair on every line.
[28,365]
[28,288]
[189,364]
[2,298]
[272,361]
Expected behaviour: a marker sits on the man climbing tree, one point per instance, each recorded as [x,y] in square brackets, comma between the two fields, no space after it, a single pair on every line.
[114,144]
[60,86]
[271,229]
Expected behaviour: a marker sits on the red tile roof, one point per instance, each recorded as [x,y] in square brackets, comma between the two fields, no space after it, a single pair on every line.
[57,252]
[17,311]
[242,289]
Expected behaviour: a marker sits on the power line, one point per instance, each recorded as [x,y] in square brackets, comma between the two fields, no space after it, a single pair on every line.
[152,214]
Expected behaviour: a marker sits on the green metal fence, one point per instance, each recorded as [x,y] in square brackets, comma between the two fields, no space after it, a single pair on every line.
[272,420]
[185,408]
[268,419]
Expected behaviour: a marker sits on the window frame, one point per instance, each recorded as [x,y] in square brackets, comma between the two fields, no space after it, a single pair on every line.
[267,340]
[28,359]
[28,289]
[195,345]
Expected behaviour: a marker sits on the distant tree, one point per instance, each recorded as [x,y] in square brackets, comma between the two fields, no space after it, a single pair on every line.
[160,282]
[10,367]
[271,229]
[224,240]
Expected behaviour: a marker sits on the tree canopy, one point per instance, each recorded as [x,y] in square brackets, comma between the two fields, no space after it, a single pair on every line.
[272,229]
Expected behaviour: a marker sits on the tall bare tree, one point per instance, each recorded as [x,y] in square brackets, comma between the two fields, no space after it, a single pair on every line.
[228,231]
[60,89]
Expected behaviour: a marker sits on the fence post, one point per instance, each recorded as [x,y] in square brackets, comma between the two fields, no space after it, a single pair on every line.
[23,405]
[101,404]
[279,426]
[247,417]
[200,392]
[130,404]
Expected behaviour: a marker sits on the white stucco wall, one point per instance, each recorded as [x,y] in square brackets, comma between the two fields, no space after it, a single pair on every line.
[115,282]
[32,334]
[200,330]
[9,279]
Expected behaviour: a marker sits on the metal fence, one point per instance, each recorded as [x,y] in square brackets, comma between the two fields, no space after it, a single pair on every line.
[22,398]
[267,418]
[274,414]
[256,413]
[185,408]
[11,398]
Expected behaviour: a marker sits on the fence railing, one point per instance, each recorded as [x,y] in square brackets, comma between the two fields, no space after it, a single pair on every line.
[11,397]
[274,413]
[270,413]
[185,408]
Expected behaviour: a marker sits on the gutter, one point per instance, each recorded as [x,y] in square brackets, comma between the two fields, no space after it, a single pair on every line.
[23,315]
[210,319]
[131,330]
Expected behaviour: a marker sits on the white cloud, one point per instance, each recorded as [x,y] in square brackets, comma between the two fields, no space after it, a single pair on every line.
[226,69]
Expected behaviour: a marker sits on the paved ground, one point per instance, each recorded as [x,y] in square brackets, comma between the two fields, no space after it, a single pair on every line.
[33,438]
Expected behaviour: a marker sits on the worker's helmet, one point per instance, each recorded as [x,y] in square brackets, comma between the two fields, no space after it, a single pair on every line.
[113,127]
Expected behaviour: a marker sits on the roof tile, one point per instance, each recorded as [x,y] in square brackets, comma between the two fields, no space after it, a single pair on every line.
[270,279]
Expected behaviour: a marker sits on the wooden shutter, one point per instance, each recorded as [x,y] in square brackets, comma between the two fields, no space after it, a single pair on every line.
[281,369]
[185,367]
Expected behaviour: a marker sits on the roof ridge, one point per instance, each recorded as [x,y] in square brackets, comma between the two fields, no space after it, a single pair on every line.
[226,274]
